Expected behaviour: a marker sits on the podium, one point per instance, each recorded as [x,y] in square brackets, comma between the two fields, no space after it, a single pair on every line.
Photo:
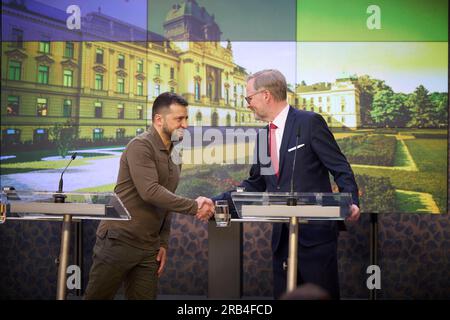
[65,207]
[271,207]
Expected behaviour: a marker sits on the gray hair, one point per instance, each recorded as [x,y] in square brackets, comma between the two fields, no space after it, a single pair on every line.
[271,80]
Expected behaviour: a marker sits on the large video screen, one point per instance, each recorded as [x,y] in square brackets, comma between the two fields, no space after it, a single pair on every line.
[86,82]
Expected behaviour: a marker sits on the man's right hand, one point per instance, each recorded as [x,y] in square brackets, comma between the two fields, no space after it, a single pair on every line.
[205,208]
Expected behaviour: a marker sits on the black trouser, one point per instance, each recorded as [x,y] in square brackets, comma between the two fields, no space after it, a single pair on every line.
[316,264]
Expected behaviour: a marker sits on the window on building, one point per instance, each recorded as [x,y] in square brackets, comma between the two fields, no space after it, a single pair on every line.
[320,99]
[198,119]
[304,101]
[197,67]
[98,109]
[157,69]
[329,119]
[140,88]
[120,133]
[12,108]
[121,62]
[140,66]
[98,81]
[40,135]
[43,72]
[17,38]
[99,56]
[120,111]
[320,109]
[227,96]
[68,78]
[343,108]
[311,100]
[157,90]
[328,109]
[228,120]
[10,136]
[209,90]
[15,68]
[97,134]
[44,46]
[42,107]
[197,91]
[328,99]
[67,108]
[343,120]
[68,51]
[214,119]
[121,85]
[140,112]
[172,73]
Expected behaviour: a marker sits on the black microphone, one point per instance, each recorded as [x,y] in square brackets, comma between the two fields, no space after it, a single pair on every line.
[292,201]
[60,188]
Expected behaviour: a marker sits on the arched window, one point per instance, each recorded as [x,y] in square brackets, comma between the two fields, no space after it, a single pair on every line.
[198,119]
[214,119]
[228,120]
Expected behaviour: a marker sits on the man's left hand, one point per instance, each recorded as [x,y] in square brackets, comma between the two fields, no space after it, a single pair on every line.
[161,258]
[354,213]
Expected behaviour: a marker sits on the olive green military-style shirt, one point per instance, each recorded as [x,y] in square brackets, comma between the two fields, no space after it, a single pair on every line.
[146,184]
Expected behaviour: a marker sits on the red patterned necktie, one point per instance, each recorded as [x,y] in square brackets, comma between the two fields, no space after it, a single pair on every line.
[273,148]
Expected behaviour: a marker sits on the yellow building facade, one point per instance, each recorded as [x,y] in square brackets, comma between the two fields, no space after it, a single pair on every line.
[106,88]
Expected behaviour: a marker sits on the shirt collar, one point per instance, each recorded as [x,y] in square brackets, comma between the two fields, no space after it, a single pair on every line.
[280,119]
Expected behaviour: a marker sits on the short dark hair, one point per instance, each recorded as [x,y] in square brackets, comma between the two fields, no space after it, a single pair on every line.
[164,100]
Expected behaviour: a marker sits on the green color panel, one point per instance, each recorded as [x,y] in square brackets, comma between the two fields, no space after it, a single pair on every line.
[349,20]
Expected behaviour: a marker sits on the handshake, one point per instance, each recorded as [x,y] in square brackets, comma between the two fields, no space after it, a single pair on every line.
[205,209]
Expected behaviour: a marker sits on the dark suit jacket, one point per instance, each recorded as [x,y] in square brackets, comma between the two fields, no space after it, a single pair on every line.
[319,156]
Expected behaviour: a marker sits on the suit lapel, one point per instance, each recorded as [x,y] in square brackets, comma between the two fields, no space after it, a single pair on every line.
[288,135]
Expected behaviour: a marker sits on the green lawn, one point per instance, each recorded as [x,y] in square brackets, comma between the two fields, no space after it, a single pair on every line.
[408,202]
[22,167]
[104,188]
[37,155]
[430,156]
[401,158]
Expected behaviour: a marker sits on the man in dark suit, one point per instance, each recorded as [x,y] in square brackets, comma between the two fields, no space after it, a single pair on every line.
[318,155]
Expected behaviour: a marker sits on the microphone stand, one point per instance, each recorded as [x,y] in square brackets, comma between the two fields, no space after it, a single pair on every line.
[293,230]
[63,260]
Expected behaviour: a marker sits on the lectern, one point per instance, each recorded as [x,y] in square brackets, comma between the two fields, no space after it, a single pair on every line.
[51,206]
[271,207]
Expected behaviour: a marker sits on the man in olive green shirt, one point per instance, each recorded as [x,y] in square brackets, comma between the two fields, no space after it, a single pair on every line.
[134,252]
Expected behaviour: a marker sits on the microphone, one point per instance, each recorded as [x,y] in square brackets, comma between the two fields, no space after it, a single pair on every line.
[292,201]
[60,188]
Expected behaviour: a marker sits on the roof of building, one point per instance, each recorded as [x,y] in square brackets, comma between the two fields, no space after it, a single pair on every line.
[190,8]
[321,86]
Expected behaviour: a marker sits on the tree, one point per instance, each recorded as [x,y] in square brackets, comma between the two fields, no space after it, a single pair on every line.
[64,136]
[440,102]
[389,109]
[423,112]
[368,87]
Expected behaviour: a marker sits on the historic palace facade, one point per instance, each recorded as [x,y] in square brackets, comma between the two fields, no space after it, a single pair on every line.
[104,77]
